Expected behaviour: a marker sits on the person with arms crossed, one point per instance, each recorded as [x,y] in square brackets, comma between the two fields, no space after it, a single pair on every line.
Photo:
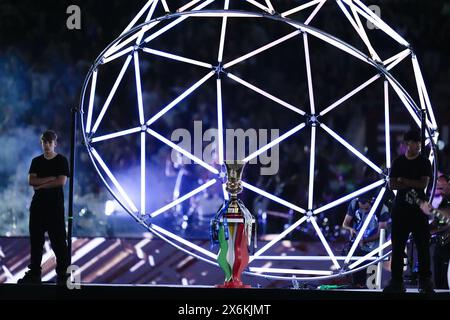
[47,175]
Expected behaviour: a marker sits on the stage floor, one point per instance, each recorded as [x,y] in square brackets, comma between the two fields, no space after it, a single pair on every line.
[200,293]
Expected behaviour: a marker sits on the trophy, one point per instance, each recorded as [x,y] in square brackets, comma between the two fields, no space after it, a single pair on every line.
[232,229]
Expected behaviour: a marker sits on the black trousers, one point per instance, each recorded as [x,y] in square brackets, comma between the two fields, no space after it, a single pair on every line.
[441,260]
[405,221]
[44,218]
[359,278]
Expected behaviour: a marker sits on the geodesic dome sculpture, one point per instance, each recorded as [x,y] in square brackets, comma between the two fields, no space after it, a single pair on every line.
[133,53]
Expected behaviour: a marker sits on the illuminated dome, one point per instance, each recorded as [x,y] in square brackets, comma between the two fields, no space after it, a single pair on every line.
[120,68]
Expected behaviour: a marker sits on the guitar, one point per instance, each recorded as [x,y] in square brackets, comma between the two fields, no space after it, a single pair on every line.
[443,234]
[412,198]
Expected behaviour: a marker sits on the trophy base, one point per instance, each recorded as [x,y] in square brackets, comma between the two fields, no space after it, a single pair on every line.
[233,284]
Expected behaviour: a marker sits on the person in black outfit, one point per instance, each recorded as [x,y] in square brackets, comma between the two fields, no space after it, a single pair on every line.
[441,230]
[410,171]
[47,175]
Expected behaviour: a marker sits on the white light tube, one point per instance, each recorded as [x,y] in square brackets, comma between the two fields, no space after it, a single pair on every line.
[111,94]
[137,73]
[180,98]
[274,142]
[365,224]
[178,58]
[324,242]
[275,240]
[182,151]
[114,180]
[115,134]
[185,242]
[299,8]
[387,135]
[183,198]
[91,101]
[349,95]
[350,196]
[351,149]
[266,94]
[312,156]
[219,121]
[142,173]
[272,197]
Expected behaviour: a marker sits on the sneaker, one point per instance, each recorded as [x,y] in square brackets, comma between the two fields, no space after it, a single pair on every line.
[61,280]
[30,278]
[394,288]
[426,286]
